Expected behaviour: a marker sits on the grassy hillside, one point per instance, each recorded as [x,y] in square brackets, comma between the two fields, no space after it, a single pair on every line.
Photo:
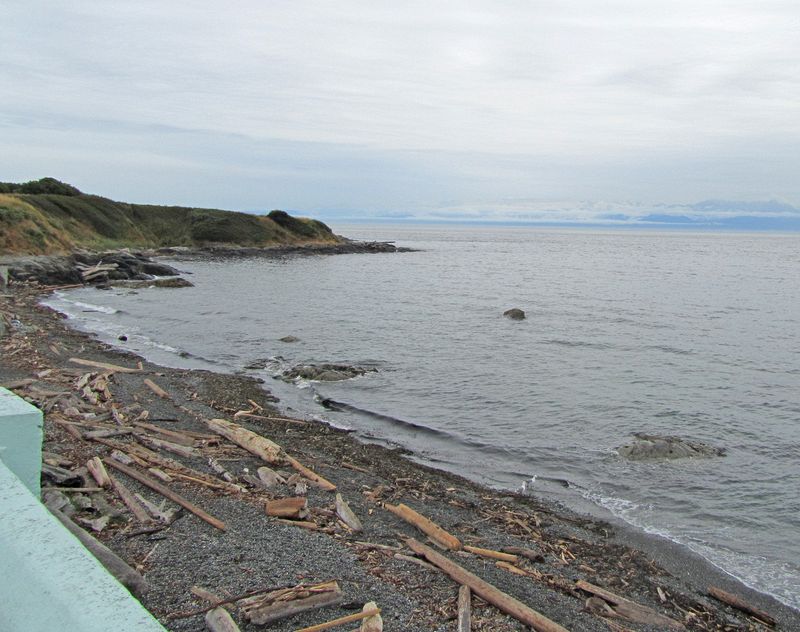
[47,216]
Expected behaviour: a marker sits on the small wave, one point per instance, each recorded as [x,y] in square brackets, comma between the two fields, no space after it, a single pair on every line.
[529,483]
[149,342]
[332,404]
[90,307]
[330,422]
[775,578]
[668,349]
[578,343]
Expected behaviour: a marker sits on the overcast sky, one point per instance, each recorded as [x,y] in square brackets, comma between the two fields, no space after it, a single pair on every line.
[412,106]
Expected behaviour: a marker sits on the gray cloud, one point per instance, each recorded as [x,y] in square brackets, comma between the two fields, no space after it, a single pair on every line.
[318,105]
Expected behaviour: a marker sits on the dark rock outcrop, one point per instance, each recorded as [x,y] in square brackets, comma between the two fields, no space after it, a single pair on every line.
[515,313]
[646,447]
[289,339]
[169,282]
[324,372]
[90,268]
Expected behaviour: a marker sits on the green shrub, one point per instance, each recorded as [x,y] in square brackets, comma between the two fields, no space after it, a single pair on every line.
[39,187]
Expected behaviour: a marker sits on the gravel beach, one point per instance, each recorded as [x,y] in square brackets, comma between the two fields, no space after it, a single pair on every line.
[257,552]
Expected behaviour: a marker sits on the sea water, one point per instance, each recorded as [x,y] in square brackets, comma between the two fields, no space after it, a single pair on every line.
[689,334]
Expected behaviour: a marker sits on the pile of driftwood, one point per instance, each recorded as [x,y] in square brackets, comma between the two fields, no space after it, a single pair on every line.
[131,446]
[151,454]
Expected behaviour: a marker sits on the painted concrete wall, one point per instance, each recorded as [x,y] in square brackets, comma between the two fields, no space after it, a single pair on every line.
[21,439]
[49,581]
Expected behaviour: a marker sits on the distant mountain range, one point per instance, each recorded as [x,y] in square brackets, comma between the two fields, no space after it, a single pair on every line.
[770,215]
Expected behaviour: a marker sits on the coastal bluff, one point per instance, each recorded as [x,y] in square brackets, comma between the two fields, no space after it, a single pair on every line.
[46,216]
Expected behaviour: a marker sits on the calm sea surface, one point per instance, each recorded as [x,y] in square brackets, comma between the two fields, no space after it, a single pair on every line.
[691,334]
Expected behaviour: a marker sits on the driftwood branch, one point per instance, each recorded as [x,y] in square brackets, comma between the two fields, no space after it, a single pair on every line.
[350,618]
[169,446]
[315,478]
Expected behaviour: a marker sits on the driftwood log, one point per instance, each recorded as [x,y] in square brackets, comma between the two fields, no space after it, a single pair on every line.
[130,501]
[740,604]
[98,471]
[219,620]
[114,564]
[464,609]
[156,388]
[165,491]
[265,449]
[254,443]
[495,555]
[263,609]
[112,368]
[346,514]
[295,507]
[373,622]
[428,527]
[631,610]
[500,600]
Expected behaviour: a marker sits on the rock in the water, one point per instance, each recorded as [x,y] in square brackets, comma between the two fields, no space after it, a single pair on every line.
[324,372]
[514,313]
[168,282]
[647,447]
[289,339]
[259,364]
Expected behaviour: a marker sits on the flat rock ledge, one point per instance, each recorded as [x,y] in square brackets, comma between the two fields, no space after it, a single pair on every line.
[647,447]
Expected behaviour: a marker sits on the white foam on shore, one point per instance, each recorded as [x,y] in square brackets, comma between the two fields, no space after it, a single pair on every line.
[90,307]
[330,422]
[777,579]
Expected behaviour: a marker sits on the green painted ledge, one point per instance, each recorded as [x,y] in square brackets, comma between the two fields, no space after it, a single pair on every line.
[49,581]
[21,439]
